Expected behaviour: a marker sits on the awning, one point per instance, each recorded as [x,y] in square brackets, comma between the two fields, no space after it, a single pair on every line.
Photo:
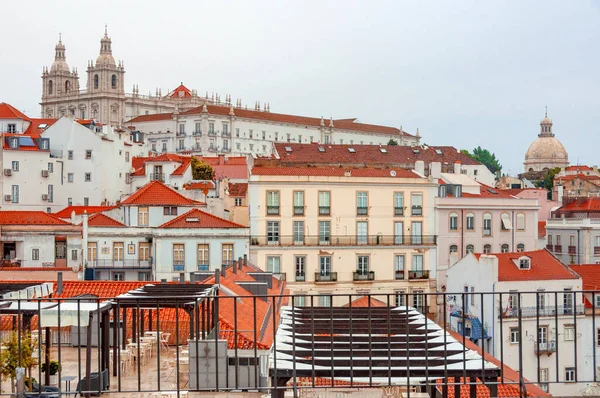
[506,223]
[71,314]
[31,292]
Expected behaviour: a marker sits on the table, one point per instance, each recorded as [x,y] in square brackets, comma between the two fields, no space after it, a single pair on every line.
[67,380]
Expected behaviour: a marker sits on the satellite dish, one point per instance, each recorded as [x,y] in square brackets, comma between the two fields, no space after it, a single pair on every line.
[393,173]
[75,268]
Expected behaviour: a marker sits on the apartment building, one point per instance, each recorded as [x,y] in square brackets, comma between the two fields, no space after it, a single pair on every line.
[573,231]
[333,229]
[522,307]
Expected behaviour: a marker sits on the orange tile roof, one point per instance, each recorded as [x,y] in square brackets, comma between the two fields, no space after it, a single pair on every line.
[180,92]
[234,167]
[504,390]
[578,168]
[486,191]
[66,212]
[25,217]
[8,111]
[237,189]
[544,266]
[183,167]
[155,193]
[541,229]
[590,275]
[102,220]
[594,179]
[200,185]
[334,172]
[589,204]
[196,218]
[364,302]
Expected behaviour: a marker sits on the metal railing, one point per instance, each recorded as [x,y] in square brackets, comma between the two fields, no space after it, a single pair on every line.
[418,274]
[398,211]
[364,276]
[545,347]
[362,211]
[343,240]
[324,210]
[298,210]
[157,177]
[399,275]
[545,311]
[325,276]
[124,263]
[300,277]
[273,210]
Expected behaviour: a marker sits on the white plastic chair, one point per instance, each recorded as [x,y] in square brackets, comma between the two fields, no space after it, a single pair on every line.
[164,341]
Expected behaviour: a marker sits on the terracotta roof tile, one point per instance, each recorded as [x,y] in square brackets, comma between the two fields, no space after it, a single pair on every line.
[66,212]
[180,92]
[364,302]
[578,168]
[102,220]
[237,189]
[235,167]
[8,111]
[589,204]
[24,217]
[198,219]
[334,172]
[590,275]
[183,167]
[200,185]
[541,229]
[155,193]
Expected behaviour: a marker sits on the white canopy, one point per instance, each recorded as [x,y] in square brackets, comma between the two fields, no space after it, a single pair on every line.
[71,314]
[28,293]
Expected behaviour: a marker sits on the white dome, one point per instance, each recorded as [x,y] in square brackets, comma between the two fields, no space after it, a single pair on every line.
[546,152]
[59,65]
[105,59]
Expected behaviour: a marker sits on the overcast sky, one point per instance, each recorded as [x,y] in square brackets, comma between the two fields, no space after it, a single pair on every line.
[465,73]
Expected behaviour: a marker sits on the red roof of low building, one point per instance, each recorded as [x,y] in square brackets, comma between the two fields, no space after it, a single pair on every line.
[363,302]
[578,168]
[79,210]
[541,229]
[199,185]
[180,92]
[155,193]
[25,217]
[234,167]
[102,220]
[485,191]
[185,164]
[543,266]
[7,111]
[237,189]
[322,171]
[594,179]
[590,275]
[589,204]
[196,218]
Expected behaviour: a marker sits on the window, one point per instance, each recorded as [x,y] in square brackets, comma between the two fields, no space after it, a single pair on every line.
[570,375]
[86,201]
[417,204]
[88,177]
[44,143]
[362,231]
[127,156]
[398,203]
[487,249]
[74,255]
[400,298]
[118,251]
[324,203]
[550,240]
[264,135]
[418,299]
[399,266]
[398,232]
[513,299]
[504,248]
[362,265]
[15,194]
[272,202]
[170,211]
[15,165]
[520,222]
[520,247]
[144,276]
[544,379]
[469,249]
[325,300]
[178,257]
[324,232]
[300,300]
[50,193]
[51,167]
[113,81]
[50,87]
[274,264]
[597,300]
[505,224]
[251,146]
[541,299]
[237,133]
[300,268]
[289,137]
[211,129]
[70,177]
[273,232]
[453,249]
[598,337]
[227,250]
[416,232]
[470,221]
[237,202]
[572,240]
[69,201]
[118,276]
[514,335]
[568,301]
[298,203]
[70,155]
[92,249]
[298,232]
[144,251]
[453,221]
[88,154]
[569,332]
[142,216]
[487,224]
[362,203]
[35,254]
[417,262]
[325,266]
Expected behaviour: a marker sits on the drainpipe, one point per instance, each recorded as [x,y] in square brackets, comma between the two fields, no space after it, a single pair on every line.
[62,171]
[462,232]
[513,231]
[578,247]
[85,238]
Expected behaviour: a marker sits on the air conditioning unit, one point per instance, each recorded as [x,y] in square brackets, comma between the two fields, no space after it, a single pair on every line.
[7,172]
[44,196]
[45,173]
[8,198]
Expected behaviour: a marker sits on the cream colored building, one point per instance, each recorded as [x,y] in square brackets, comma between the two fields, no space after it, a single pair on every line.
[342,230]
[546,152]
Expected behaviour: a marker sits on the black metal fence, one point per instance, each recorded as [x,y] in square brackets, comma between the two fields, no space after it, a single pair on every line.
[269,344]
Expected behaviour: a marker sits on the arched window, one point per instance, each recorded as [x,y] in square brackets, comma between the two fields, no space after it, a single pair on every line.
[453,248]
[67,86]
[487,224]
[504,248]
[453,221]
[470,221]
[487,249]
[113,81]
[96,81]
[50,86]
[505,223]
[520,222]
[520,247]
[470,249]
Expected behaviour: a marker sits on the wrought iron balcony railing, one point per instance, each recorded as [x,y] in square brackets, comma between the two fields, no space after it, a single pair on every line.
[342,240]
[546,347]
[325,276]
[157,177]
[119,264]
[418,274]
[364,276]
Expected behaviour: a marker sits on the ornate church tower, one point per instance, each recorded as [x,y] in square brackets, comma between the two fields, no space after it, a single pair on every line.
[106,85]
[58,85]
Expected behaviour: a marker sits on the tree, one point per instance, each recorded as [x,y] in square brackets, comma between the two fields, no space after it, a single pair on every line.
[16,349]
[202,170]
[392,142]
[486,158]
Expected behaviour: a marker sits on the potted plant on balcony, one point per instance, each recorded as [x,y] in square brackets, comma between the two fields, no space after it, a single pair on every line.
[53,368]
[16,350]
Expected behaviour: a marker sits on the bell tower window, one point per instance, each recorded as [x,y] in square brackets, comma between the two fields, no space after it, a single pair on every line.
[96,82]
[67,86]
[114,81]
[50,86]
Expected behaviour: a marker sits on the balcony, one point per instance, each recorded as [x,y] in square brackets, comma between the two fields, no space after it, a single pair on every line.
[596,250]
[550,247]
[546,311]
[547,347]
[298,210]
[558,249]
[203,267]
[324,210]
[56,153]
[343,240]
[325,276]
[157,177]
[134,263]
[362,211]
[273,210]
[572,250]
[398,211]
[487,232]
[178,266]
[418,274]
[180,134]
[226,134]
[399,275]
[211,133]
[417,211]
[300,277]
[364,275]
[197,133]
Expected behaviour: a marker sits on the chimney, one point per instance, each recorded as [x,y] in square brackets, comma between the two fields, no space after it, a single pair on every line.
[192,277]
[240,263]
[217,277]
[224,271]
[182,277]
[420,167]
[59,282]
[234,267]
[163,281]
[435,169]
[457,168]
[245,260]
